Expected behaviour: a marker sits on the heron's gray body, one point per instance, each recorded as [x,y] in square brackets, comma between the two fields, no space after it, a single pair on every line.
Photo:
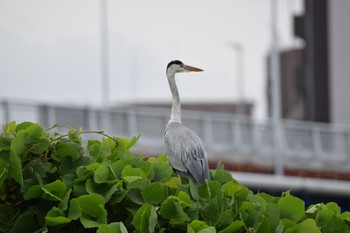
[185,152]
[184,149]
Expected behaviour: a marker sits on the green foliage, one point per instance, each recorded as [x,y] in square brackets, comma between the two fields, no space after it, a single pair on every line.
[54,183]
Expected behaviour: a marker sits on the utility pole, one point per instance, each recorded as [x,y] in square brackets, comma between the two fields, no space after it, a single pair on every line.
[239,76]
[276,95]
[104,53]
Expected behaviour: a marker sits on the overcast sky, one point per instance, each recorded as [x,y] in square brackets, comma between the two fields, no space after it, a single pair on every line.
[50,49]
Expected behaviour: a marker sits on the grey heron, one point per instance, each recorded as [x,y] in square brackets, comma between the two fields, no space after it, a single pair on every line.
[184,148]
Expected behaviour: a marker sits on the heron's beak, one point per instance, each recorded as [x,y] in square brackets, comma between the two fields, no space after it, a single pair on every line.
[191,68]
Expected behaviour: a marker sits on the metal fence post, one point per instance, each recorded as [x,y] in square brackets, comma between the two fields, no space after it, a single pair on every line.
[208,132]
[236,133]
[256,141]
[6,113]
[131,123]
[91,119]
[51,115]
[316,140]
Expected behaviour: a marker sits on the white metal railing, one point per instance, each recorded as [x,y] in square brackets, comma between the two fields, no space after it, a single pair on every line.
[304,144]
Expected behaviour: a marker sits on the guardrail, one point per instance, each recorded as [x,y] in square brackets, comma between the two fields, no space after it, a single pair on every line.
[226,136]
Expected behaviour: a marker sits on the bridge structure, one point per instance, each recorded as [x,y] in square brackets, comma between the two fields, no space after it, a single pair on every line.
[308,150]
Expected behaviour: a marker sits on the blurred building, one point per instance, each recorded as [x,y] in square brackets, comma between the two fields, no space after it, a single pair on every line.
[314,80]
[293,85]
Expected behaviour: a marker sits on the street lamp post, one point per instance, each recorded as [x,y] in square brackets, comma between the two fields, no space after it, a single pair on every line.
[240,76]
[276,95]
[104,53]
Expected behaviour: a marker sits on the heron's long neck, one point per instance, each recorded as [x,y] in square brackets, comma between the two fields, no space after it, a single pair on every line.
[176,105]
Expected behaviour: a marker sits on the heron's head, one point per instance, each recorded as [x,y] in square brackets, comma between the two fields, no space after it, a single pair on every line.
[177,66]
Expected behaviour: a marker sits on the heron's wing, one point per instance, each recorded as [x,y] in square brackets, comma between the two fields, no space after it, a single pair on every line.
[186,152]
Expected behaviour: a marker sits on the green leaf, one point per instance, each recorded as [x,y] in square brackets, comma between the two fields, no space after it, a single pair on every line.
[250,217]
[184,199]
[327,220]
[119,165]
[174,182]
[193,190]
[63,205]
[92,209]
[18,146]
[7,216]
[241,194]
[155,193]
[135,196]
[10,129]
[136,182]
[66,149]
[75,136]
[55,217]
[345,216]
[135,177]
[291,207]
[203,191]
[23,126]
[264,226]
[267,197]
[259,202]
[334,207]
[309,226]
[106,190]
[161,167]
[94,148]
[230,188]
[115,227]
[226,217]
[288,225]
[74,209]
[145,219]
[222,176]
[118,196]
[133,141]
[106,146]
[24,223]
[273,215]
[33,192]
[3,172]
[200,227]
[234,227]
[69,167]
[197,225]
[101,175]
[213,187]
[133,172]
[5,143]
[39,147]
[54,191]
[171,209]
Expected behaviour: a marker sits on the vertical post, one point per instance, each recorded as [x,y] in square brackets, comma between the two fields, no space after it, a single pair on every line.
[276,96]
[208,132]
[240,76]
[104,52]
[91,119]
[237,134]
[6,108]
[240,79]
[131,123]
[316,140]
